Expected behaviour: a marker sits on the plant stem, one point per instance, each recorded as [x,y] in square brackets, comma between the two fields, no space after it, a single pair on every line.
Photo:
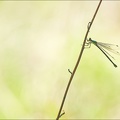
[78,61]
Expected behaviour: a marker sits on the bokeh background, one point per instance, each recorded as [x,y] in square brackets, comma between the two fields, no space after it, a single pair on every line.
[39,42]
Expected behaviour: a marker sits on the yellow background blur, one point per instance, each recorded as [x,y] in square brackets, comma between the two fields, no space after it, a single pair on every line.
[39,42]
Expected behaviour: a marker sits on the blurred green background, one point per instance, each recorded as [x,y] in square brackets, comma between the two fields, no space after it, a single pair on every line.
[39,42]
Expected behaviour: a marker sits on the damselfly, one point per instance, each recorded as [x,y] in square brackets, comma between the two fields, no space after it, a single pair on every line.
[102,47]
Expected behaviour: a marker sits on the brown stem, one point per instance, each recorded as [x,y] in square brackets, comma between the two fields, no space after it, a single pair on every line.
[78,61]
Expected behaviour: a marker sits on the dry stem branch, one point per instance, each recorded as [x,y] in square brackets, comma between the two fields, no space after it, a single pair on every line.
[78,61]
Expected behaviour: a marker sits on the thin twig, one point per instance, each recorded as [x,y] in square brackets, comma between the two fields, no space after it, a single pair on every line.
[69,71]
[62,114]
[78,61]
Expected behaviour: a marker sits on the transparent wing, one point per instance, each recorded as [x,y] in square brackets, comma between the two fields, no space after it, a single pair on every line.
[107,53]
[110,47]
